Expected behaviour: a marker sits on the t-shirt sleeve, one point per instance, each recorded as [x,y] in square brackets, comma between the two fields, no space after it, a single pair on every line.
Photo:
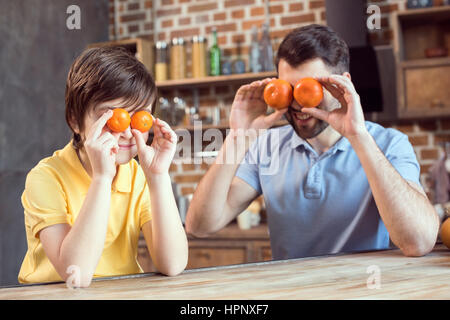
[145,214]
[44,201]
[248,170]
[402,157]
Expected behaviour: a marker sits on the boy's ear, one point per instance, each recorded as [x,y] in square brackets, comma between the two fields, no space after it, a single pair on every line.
[74,125]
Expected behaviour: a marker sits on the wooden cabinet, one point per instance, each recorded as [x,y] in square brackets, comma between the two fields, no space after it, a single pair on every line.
[142,48]
[423,78]
[230,245]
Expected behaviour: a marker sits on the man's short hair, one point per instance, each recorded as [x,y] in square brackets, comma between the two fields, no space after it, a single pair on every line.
[314,41]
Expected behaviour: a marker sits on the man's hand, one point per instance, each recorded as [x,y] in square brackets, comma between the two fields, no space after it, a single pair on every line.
[249,109]
[156,159]
[347,120]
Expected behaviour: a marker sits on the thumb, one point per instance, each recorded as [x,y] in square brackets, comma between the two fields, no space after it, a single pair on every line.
[140,142]
[272,118]
[316,113]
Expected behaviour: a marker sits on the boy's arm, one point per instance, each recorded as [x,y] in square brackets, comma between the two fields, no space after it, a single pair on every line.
[80,246]
[164,234]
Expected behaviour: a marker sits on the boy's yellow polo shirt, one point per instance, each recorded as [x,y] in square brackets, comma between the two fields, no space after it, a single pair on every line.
[55,191]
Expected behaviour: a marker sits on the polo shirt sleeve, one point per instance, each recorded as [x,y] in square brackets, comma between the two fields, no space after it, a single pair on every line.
[44,201]
[249,168]
[402,157]
[145,214]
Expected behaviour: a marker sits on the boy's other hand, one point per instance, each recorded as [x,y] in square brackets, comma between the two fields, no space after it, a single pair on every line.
[156,159]
[101,148]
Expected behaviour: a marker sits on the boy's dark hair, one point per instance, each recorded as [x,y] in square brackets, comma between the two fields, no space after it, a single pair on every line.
[314,41]
[103,74]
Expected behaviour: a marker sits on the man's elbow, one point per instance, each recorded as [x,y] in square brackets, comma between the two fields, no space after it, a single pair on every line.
[193,228]
[417,250]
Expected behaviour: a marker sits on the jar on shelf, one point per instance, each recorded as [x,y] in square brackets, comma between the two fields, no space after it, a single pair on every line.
[199,57]
[177,59]
[162,63]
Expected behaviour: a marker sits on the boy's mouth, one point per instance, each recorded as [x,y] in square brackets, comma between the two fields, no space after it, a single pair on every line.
[126,146]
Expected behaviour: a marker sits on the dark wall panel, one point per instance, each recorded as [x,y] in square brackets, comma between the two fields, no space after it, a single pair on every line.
[36,54]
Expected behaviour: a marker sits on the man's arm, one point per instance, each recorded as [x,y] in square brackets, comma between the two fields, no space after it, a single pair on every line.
[408,215]
[404,207]
[220,196]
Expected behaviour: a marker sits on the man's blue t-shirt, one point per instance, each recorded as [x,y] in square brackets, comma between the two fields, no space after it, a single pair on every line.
[323,204]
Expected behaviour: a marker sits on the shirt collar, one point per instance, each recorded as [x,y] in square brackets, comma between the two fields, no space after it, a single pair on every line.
[342,144]
[122,181]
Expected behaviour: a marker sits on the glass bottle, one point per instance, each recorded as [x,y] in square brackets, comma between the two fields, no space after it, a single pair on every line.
[214,54]
[177,59]
[161,61]
[266,58]
[198,57]
[255,65]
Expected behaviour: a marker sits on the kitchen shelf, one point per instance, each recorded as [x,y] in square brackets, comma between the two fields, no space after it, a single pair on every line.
[428,62]
[214,80]
[220,126]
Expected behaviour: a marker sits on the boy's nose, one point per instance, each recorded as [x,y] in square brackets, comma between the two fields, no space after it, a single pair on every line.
[127,133]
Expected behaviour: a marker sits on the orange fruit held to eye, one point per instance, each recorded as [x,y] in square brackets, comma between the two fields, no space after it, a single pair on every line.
[142,121]
[308,92]
[445,232]
[278,94]
[119,121]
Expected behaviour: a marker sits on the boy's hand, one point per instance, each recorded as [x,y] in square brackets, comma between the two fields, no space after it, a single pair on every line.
[156,159]
[249,109]
[101,148]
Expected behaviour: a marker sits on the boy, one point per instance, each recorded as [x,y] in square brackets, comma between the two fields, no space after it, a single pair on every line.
[86,204]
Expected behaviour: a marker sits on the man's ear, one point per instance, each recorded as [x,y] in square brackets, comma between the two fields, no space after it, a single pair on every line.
[347,74]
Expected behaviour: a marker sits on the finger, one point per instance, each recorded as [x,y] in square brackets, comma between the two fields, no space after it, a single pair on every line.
[111,146]
[98,126]
[105,136]
[242,92]
[272,118]
[140,142]
[259,93]
[335,92]
[254,89]
[167,131]
[342,83]
[317,113]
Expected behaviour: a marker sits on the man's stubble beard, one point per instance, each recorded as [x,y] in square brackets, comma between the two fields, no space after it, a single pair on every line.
[318,128]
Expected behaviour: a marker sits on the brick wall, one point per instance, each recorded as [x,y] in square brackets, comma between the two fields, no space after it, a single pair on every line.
[164,19]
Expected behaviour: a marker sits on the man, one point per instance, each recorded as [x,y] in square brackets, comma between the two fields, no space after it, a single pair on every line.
[332,182]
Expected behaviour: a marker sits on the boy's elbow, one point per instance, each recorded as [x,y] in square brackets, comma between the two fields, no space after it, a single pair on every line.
[175,270]
[76,278]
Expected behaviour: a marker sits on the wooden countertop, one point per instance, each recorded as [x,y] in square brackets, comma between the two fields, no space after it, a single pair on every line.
[329,277]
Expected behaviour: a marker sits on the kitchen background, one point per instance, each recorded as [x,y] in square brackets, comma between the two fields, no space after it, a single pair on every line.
[38,50]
